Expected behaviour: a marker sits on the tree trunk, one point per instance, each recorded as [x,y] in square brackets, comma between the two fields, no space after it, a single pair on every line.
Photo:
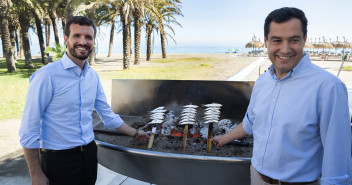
[137,38]
[149,41]
[24,23]
[63,23]
[126,46]
[21,43]
[112,31]
[69,10]
[91,58]
[13,42]
[5,38]
[17,44]
[53,22]
[130,37]
[163,47]
[125,39]
[47,31]
[38,24]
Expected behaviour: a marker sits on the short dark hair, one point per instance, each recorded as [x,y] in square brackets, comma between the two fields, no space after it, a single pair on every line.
[78,20]
[284,14]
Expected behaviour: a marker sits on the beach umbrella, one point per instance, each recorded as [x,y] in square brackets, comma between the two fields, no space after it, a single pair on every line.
[254,44]
[338,44]
[309,45]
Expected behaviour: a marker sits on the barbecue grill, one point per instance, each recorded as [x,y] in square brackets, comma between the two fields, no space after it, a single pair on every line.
[137,97]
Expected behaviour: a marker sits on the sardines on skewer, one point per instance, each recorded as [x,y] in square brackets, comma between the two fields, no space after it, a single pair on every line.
[188,117]
[157,118]
[211,116]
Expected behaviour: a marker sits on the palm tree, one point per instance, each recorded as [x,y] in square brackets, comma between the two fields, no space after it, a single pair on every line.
[168,9]
[93,10]
[23,11]
[13,26]
[5,35]
[150,26]
[138,13]
[125,10]
[37,13]
[112,29]
[69,11]
[52,7]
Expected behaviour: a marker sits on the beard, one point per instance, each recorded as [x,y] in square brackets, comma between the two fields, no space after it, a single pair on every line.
[80,56]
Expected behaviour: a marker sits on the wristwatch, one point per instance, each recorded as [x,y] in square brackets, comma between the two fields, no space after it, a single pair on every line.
[136,134]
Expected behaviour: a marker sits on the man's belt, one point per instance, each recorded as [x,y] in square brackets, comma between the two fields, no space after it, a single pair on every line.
[81,148]
[270,180]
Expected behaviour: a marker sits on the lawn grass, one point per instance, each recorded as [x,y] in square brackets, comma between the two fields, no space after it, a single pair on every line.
[14,85]
[14,88]
[347,68]
[171,69]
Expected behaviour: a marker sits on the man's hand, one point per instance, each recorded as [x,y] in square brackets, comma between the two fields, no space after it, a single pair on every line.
[235,133]
[37,175]
[130,131]
[39,179]
[218,141]
[142,136]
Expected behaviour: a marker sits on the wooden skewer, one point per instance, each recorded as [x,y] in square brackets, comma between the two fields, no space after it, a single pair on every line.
[210,131]
[185,132]
[151,139]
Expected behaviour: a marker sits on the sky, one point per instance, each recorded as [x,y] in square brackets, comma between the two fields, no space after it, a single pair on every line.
[232,23]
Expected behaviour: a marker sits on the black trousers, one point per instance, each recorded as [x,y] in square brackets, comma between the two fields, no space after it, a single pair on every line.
[71,167]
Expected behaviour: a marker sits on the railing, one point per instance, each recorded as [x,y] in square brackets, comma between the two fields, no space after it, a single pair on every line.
[332,57]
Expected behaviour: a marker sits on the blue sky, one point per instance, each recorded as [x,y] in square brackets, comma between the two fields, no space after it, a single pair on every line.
[232,23]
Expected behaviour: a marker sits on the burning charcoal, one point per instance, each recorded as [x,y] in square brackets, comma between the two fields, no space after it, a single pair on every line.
[212,114]
[168,124]
[188,117]
[225,126]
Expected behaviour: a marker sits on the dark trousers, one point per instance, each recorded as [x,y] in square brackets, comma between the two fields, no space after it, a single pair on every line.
[71,167]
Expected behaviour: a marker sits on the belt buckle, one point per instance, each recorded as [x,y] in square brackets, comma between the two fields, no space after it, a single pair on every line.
[82,148]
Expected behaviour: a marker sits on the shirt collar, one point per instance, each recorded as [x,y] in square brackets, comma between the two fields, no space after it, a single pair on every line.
[299,67]
[68,63]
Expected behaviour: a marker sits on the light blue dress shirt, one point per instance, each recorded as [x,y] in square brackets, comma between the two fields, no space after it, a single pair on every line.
[301,126]
[59,104]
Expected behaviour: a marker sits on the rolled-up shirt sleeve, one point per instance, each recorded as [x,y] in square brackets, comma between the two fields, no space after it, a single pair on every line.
[110,119]
[38,97]
[249,117]
[335,133]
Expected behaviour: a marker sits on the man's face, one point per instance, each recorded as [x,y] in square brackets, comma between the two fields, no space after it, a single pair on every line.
[285,44]
[80,41]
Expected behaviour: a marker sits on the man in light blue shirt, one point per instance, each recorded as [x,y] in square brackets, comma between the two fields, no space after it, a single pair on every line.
[57,117]
[298,113]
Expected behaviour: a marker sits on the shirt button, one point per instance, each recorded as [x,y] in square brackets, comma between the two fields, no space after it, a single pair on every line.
[269,116]
[278,83]
[273,99]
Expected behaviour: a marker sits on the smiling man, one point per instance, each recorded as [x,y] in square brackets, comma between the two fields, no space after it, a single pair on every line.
[298,113]
[57,118]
